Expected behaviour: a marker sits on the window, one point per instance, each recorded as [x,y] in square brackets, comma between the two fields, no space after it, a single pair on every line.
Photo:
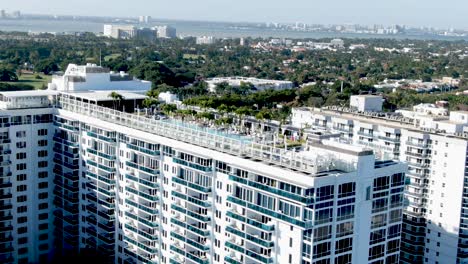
[22,219]
[21,155]
[22,230]
[21,188]
[43,195]
[43,237]
[345,212]
[21,166]
[44,226]
[21,198]
[345,259]
[376,252]
[22,240]
[43,185]
[378,220]
[43,216]
[322,250]
[381,183]
[42,153]
[377,236]
[42,132]
[322,233]
[344,229]
[394,231]
[42,143]
[42,164]
[21,177]
[43,206]
[21,144]
[346,189]
[20,134]
[393,246]
[343,245]
[43,174]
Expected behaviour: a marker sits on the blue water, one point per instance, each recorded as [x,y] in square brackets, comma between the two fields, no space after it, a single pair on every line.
[185,28]
[244,139]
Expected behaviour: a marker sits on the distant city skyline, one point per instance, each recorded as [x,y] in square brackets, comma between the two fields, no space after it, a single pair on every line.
[430,13]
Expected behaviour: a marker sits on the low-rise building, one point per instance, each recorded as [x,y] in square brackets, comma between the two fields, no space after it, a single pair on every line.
[259,84]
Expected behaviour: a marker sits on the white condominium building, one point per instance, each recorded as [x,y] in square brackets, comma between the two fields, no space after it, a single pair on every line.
[93,77]
[435,147]
[259,84]
[80,177]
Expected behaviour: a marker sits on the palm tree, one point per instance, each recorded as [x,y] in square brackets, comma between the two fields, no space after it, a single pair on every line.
[116,97]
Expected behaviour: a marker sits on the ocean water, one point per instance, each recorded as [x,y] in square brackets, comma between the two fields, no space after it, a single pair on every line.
[185,28]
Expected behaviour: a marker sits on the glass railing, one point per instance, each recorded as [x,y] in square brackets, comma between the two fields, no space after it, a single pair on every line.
[100,154]
[192,214]
[149,184]
[144,150]
[141,233]
[191,185]
[142,194]
[142,168]
[192,165]
[235,247]
[101,137]
[262,258]
[197,259]
[177,250]
[303,224]
[142,207]
[296,197]
[191,199]
[230,260]
[141,220]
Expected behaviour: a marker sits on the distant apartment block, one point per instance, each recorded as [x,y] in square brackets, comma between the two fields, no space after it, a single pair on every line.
[205,40]
[434,144]
[259,84]
[130,31]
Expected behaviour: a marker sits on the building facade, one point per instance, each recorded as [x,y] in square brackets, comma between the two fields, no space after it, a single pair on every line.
[435,149]
[139,190]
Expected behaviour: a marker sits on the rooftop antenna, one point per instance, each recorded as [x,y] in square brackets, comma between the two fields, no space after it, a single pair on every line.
[100,58]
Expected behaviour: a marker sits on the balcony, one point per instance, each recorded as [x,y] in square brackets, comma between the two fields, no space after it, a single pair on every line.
[143,207]
[144,150]
[142,220]
[100,154]
[263,187]
[252,222]
[193,200]
[270,213]
[101,137]
[152,171]
[192,165]
[195,215]
[390,139]
[197,187]
[260,257]
[149,197]
[146,183]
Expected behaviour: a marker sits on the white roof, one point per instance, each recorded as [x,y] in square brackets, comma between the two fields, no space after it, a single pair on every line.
[104,95]
[30,93]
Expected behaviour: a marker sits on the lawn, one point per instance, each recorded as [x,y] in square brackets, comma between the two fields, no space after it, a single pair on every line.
[30,79]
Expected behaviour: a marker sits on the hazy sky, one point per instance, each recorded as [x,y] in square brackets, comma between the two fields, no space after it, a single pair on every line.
[438,13]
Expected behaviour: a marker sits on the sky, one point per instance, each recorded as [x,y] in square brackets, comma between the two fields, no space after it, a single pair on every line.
[436,13]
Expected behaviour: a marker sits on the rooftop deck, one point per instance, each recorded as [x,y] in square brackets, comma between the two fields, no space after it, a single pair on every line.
[306,162]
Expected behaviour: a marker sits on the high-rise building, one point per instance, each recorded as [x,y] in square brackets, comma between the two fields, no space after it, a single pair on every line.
[144,19]
[2,13]
[435,147]
[129,31]
[166,32]
[139,190]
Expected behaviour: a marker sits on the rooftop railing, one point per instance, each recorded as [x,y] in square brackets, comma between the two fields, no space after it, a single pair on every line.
[215,141]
